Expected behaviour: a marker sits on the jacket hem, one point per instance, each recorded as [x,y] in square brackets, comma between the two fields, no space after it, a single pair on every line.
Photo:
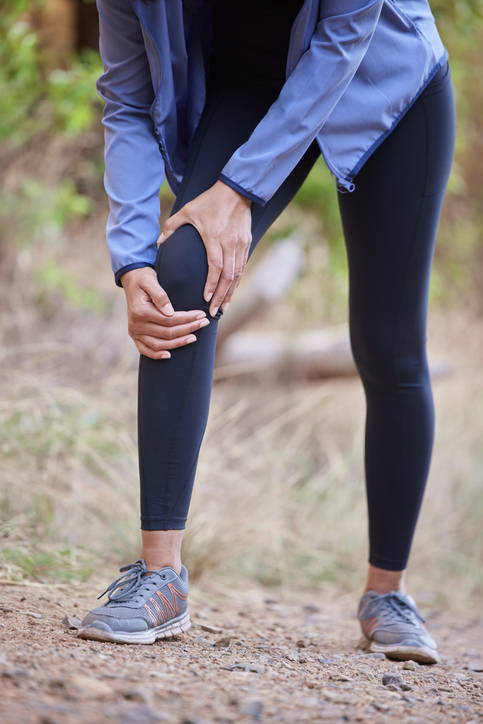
[350,177]
[129,267]
[236,187]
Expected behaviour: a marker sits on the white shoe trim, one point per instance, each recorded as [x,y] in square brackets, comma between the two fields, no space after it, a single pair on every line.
[171,628]
[422,654]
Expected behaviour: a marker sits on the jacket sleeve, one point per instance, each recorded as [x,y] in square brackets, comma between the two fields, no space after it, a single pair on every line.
[134,165]
[342,37]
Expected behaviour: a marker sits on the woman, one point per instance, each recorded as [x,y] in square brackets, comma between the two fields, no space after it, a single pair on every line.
[234,101]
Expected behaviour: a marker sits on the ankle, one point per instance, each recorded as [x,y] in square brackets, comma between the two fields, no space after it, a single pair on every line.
[382,581]
[162,549]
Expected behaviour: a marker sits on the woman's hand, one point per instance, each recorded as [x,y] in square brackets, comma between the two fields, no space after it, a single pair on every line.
[223,218]
[152,322]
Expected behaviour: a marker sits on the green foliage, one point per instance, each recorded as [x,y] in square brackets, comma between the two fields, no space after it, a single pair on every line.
[39,213]
[53,280]
[72,93]
[318,195]
[32,99]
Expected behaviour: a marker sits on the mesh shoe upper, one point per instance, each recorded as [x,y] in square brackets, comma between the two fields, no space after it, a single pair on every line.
[393,618]
[138,601]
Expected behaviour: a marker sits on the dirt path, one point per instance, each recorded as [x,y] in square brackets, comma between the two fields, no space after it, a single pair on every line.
[267,659]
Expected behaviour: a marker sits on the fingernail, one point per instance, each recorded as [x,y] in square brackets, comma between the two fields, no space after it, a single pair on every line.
[214,312]
[168,309]
[225,306]
[204,323]
[201,316]
[209,297]
[190,339]
[161,239]
[165,356]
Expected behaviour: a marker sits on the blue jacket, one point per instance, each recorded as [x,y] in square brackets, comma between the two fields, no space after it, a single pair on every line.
[354,67]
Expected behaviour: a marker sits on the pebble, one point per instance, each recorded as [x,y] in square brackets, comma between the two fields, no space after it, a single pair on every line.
[71,622]
[138,694]
[301,644]
[251,707]
[223,643]
[410,665]
[366,674]
[340,677]
[392,680]
[377,656]
[246,666]
[31,614]
[211,629]
[16,674]
[89,687]
[475,666]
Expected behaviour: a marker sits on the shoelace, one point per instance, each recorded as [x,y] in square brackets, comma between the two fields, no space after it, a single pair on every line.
[127,584]
[397,604]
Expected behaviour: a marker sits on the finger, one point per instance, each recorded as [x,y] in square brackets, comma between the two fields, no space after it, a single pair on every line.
[148,314]
[240,262]
[215,270]
[149,283]
[161,332]
[158,345]
[148,352]
[226,279]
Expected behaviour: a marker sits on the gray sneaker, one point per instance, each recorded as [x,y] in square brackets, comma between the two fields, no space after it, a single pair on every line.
[394,626]
[141,608]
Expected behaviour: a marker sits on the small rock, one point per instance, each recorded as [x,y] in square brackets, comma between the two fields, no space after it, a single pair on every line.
[223,643]
[475,666]
[251,707]
[31,614]
[138,694]
[340,677]
[16,674]
[366,674]
[379,705]
[211,629]
[377,656]
[287,666]
[90,687]
[405,687]
[71,622]
[246,666]
[310,608]
[292,657]
[409,665]
[301,644]
[392,680]
[4,609]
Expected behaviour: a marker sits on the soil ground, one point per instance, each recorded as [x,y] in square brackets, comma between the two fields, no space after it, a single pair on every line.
[252,655]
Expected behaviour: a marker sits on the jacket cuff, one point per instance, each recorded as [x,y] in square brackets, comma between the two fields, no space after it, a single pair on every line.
[241,190]
[130,267]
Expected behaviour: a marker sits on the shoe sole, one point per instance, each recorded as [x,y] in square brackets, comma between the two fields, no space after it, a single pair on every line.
[171,628]
[421,654]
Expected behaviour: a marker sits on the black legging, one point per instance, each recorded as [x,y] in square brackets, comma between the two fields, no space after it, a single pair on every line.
[390,224]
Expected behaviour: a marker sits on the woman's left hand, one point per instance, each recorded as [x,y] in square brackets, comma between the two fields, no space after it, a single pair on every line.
[223,218]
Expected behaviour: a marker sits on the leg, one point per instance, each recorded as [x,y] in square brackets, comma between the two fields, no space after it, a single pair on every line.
[390,224]
[174,394]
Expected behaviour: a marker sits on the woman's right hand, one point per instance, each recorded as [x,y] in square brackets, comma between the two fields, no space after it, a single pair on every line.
[152,322]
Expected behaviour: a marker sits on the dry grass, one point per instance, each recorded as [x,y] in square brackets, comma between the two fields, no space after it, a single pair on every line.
[280,491]
[279,495]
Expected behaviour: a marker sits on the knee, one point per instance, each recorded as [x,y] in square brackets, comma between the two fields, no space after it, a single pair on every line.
[387,364]
[182,267]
